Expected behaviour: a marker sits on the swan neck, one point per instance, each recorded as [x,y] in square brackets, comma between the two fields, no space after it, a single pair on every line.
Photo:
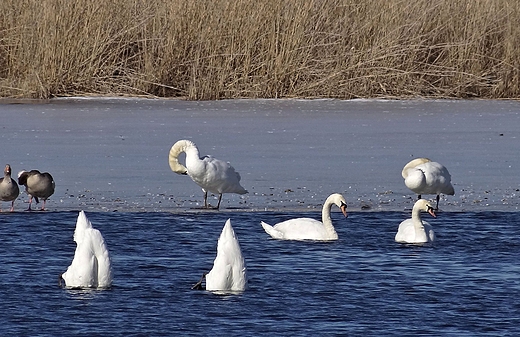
[416,217]
[325,217]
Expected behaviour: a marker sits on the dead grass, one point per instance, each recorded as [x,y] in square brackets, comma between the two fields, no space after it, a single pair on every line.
[215,49]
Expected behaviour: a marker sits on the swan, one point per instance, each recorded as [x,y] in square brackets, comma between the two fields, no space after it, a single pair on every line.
[9,190]
[309,229]
[37,185]
[415,230]
[424,176]
[229,269]
[90,267]
[209,173]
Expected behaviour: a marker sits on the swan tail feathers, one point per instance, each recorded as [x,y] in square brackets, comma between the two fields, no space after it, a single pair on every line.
[275,234]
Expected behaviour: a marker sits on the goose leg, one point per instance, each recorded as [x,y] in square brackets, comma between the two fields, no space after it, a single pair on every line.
[12,206]
[30,202]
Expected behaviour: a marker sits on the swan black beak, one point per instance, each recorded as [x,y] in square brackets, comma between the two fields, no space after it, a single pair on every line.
[343,209]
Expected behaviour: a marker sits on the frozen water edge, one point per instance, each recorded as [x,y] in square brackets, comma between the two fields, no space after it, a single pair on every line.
[110,154]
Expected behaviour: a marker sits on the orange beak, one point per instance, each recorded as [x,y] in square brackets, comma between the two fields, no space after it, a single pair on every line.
[343,209]
[432,212]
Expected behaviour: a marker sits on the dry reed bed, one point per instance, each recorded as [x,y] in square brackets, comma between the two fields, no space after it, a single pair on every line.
[215,49]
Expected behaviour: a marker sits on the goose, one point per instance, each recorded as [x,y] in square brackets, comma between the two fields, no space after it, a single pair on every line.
[229,269]
[209,173]
[307,228]
[9,190]
[424,176]
[37,185]
[415,230]
[90,267]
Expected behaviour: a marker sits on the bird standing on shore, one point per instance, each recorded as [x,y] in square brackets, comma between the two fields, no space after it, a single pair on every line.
[9,190]
[211,174]
[37,185]
[424,176]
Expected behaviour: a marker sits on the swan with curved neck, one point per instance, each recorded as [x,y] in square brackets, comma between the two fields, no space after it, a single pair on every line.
[211,174]
[416,230]
[307,228]
[424,176]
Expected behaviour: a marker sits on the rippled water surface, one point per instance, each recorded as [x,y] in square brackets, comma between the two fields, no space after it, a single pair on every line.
[465,284]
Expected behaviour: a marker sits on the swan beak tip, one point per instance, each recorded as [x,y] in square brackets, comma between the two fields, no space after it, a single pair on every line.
[344,211]
[432,212]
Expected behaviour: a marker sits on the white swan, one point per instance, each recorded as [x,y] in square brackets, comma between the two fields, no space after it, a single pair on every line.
[229,269]
[91,267]
[424,176]
[307,228]
[9,190]
[37,185]
[415,230]
[209,173]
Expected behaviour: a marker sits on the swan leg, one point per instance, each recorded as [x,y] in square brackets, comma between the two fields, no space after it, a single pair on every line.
[438,198]
[205,199]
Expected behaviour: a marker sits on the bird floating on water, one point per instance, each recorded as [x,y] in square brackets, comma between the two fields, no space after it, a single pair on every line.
[307,228]
[416,230]
[229,270]
[91,265]
[211,174]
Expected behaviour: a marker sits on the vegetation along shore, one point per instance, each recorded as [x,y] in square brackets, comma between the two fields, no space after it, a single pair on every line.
[218,49]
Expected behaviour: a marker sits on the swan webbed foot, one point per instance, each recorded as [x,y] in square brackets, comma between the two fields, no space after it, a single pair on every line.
[198,285]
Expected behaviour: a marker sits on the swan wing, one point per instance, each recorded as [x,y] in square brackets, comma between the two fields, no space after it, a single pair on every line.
[302,229]
[218,176]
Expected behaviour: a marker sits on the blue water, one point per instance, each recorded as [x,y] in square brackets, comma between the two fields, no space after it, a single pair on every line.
[465,284]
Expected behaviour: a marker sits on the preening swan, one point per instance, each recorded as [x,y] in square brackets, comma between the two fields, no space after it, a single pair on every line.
[9,190]
[307,228]
[424,176]
[91,267]
[229,269]
[37,185]
[415,230]
[211,174]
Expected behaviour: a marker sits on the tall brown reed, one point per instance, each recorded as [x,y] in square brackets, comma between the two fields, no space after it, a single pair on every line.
[214,49]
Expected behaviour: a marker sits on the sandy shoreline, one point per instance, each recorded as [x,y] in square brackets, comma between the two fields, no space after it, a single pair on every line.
[111,154]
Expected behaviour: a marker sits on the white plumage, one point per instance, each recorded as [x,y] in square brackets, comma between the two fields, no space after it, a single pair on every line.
[211,174]
[424,176]
[416,230]
[307,228]
[91,266]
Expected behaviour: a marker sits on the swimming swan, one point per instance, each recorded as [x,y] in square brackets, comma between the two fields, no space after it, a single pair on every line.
[229,269]
[37,185]
[415,230]
[211,174]
[309,229]
[424,176]
[9,190]
[91,267]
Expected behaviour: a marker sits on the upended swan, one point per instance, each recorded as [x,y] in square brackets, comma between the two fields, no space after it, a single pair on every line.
[211,174]
[37,185]
[424,176]
[415,230]
[229,269]
[307,228]
[9,190]
[91,266]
